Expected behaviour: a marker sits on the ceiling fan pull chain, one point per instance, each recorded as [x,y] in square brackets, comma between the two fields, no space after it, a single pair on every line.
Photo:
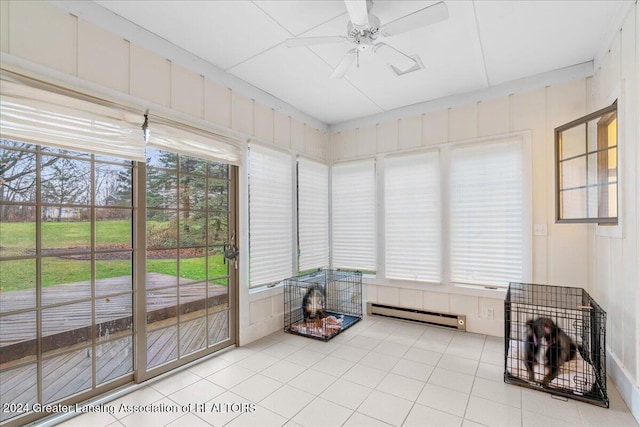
[357,58]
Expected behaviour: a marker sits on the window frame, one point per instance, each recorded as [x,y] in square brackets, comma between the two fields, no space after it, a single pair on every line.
[423,158]
[379,277]
[335,259]
[602,113]
[523,141]
[319,220]
[290,235]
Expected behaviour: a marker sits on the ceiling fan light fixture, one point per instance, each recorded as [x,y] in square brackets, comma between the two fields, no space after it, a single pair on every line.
[365,44]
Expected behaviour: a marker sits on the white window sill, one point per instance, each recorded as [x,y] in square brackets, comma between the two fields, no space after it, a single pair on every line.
[265,292]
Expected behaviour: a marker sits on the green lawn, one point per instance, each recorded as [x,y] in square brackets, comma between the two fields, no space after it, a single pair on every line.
[19,239]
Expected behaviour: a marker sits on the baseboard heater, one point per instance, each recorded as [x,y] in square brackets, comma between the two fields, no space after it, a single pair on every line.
[447,320]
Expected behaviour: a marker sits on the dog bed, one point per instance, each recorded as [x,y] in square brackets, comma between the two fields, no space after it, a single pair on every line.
[322,328]
[577,375]
[326,328]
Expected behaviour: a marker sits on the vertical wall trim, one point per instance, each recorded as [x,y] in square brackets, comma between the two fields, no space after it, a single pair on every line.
[381,261]
[548,166]
[478,106]
[128,66]
[203,92]
[511,114]
[445,200]
[273,126]
[423,134]
[9,29]
[449,124]
[170,84]
[294,215]
[76,46]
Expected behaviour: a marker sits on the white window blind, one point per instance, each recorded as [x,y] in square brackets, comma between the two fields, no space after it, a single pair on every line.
[313,215]
[52,116]
[270,215]
[353,208]
[179,138]
[412,217]
[487,213]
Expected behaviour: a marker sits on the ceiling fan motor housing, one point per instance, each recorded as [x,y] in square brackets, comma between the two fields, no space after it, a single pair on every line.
[364,36]
[370,30]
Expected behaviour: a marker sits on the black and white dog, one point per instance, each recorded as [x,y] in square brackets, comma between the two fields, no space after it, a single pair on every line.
[547,343]
[313,304]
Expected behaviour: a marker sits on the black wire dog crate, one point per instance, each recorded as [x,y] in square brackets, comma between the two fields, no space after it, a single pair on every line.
[323,303]
[554,341]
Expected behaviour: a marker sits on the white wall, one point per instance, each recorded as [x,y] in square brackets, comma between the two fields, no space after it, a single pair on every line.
[558,258]
[614,252]
[39,39]
[603,260]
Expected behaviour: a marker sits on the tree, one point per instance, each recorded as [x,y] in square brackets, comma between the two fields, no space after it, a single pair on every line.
[18,174]
[66,181]
[113,185]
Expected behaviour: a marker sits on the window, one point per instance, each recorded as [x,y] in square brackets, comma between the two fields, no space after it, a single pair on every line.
[489,221]
[73,253]
[412,217]
[66,269]
[587,168]
[353,207]
[313,215]
[270,216]
[66,247]
[186,228]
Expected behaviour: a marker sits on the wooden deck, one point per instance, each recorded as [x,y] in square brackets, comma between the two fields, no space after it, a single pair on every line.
[66,331]
[71,372]
[70,324]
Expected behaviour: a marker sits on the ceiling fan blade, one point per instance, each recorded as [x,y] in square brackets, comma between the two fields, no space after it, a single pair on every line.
[342,68]
[421,18]
[309,41]
[358,13]
[393,57]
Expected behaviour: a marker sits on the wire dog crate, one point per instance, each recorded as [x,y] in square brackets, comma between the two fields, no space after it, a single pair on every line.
[555,341]
[323,303]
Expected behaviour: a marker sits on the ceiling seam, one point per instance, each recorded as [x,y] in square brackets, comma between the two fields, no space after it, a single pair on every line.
[265,50]
[484,60]
[277,44]
[305,31]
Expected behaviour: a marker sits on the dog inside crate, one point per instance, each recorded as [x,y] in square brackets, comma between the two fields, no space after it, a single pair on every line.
[548,353]
[315,320]
[322,303]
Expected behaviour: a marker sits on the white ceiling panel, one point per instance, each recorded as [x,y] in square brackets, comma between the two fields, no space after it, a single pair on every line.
[390,10]
[541,35]
[300,16]
[483,43]
[224,33]
[303,81]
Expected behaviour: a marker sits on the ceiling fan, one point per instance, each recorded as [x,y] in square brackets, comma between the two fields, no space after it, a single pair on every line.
[364,29]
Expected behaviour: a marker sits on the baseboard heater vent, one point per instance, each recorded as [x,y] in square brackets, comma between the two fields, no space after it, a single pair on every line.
[447,320]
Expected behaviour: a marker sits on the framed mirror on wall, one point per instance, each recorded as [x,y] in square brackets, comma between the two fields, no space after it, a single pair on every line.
[586,153]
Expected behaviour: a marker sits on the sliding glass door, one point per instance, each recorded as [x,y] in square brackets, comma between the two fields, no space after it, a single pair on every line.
[66,263]
[188,223]
[93,248]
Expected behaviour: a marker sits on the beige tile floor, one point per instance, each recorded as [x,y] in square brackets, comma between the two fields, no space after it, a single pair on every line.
[380,372]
